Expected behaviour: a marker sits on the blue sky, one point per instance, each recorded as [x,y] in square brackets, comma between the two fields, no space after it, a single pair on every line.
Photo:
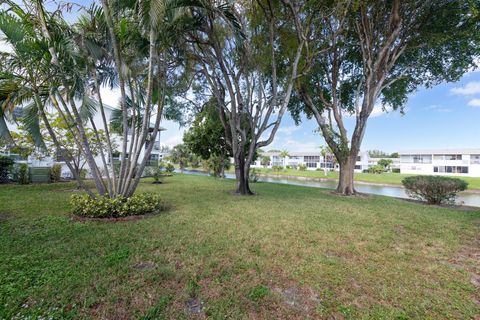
[446,116]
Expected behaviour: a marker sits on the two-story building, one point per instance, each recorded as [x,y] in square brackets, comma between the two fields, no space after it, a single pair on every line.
[459,162]
[48,161]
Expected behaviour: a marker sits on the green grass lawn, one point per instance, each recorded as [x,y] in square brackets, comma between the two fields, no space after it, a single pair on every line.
[387,177]
[288,253]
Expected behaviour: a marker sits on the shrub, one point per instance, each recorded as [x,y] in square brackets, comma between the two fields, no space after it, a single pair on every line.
[302,167]
[23,174]
[253,175]
[56,172]
[83,174]
[104,207]
[434,189]
[377,169]
[169,167]
[396,170]
[277,168]
[288,167]
[5,166]
[157,174]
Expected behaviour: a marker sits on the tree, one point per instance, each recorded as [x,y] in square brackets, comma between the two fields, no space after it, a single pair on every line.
[206,139]
[284,154]
[394,155]
[377,154]
[252,92]
[265,161]
[385,163]
[372,54]
[136,47]
[328,156]
[181,155]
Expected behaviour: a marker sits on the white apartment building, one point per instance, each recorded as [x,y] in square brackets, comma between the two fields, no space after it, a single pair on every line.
[313,160]
[455,162]
[48,161]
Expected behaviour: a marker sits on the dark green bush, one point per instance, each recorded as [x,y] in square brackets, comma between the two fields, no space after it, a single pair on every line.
[104,207]
[56,172]
[277,168]
[169,167]
[377,169]
[23,174]
[434,189]
[302,167]
[5,166]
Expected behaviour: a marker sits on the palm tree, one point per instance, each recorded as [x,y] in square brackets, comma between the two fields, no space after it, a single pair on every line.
[134,46]
[284,154]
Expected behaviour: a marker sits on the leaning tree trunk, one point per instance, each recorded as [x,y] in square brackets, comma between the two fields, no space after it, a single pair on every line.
[345,181]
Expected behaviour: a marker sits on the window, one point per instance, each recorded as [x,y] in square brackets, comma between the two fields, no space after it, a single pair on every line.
[311,164]
[358,167]
[453,157]
[359,158]
[416,158]
[475,159]
[450,169]
[311,158]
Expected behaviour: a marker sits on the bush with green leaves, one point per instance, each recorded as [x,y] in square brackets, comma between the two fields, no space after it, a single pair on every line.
[56,172]
[23,174]
[277,168]
[169,167]
[302,167]
[6,164]
[434,189]
[105,207]
[376,169]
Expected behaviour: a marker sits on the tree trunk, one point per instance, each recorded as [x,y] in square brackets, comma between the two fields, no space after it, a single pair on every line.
[241,173]
[345,181]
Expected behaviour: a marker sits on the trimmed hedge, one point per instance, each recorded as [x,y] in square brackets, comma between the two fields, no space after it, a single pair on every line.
[434,189]
[105,207]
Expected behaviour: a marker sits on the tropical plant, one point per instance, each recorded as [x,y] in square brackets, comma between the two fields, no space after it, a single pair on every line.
[56,172]
[377,169]
[136,47]
[265,161]
[23,174]
[385,163]
[284,154]
[181,155]
[434,189]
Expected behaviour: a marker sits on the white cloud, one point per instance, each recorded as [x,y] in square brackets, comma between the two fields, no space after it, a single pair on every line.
[438,108]
[379,110]
[474,103]
[288,130]
[469,89]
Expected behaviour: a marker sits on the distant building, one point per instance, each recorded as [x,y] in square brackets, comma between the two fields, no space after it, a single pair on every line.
[313,160]
[155,156]
[455,162]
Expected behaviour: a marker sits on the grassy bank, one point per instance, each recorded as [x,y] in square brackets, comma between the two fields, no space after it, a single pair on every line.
[289,252]
[387,177]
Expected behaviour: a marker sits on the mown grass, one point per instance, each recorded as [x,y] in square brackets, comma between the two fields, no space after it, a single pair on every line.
[387,177]
[288,252]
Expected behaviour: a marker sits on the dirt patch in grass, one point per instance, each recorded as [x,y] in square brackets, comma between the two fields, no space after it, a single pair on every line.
[301,299]
[4,216]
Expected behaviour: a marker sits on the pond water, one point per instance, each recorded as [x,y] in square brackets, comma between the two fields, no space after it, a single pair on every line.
[468,199]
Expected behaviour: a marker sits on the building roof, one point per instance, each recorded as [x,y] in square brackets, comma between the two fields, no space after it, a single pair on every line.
[442,151]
